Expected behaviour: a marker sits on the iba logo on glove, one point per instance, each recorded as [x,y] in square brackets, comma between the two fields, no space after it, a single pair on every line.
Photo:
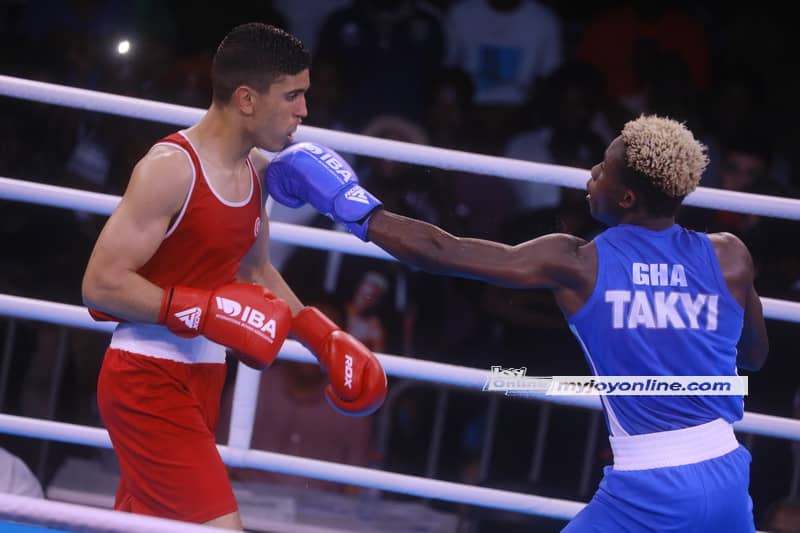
[330,161]
[250,316]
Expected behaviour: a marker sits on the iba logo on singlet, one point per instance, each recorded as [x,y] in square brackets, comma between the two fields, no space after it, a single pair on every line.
[660,309]
[250,316]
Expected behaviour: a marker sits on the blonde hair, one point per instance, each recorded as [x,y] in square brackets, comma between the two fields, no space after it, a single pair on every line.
[666,152]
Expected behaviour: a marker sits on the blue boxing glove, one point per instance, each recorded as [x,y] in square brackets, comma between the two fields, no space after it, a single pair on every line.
[309,173]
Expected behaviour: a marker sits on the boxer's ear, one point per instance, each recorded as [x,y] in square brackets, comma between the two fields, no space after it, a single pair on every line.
[244,98]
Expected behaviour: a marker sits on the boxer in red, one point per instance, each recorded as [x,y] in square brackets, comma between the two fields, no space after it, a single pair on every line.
[183,265]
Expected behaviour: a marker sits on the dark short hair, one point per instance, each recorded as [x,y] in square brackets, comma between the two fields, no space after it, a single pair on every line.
[655,201]
[255,54]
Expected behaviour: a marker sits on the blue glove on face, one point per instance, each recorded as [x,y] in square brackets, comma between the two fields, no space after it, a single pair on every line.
[309,173]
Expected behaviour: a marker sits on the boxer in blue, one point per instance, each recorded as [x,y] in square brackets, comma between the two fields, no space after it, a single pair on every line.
[646,297]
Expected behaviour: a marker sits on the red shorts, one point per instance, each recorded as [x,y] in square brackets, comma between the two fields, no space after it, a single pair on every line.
[161,416]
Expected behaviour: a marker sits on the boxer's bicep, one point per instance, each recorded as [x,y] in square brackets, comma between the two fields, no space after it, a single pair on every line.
[156,191]
[551,261]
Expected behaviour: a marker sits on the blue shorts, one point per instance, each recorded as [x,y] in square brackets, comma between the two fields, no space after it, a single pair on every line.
[708,496]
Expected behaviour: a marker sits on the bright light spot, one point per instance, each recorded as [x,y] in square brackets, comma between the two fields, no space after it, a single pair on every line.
[123,47]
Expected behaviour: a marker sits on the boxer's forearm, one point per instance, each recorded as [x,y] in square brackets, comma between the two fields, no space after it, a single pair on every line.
[124,296]
[753,346]
[432,249]
[550,261]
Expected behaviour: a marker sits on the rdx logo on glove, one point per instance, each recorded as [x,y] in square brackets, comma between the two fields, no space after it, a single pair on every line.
[250,316]
[339,168]
[348,371]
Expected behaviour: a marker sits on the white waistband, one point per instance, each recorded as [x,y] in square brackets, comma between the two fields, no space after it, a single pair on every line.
[674,448]
[158,341]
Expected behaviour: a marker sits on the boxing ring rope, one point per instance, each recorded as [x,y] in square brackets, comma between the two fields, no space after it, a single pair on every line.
[755,204]
[324,470]
[240,454]
[104,204]
[80,518]
[403,367]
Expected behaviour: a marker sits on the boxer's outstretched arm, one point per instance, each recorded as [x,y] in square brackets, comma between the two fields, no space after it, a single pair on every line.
[552,261]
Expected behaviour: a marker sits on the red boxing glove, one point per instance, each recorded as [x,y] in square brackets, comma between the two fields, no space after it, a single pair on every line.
[245,317]
[357,381]
[100,316]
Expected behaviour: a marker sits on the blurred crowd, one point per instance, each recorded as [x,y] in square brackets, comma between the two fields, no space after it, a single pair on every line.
[543,81]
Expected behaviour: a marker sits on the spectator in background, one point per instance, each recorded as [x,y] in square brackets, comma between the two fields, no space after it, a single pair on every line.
[784,517]
[740,105]
[745,160]
[326,95]
[621,41]
[744,167]
[667,87]
[449,121]
[195,39]
[405,186]
[411,189]
[304,19]
[564,108]
[448,107]
[361,311]
[398,43]
[16,478]
[506,46]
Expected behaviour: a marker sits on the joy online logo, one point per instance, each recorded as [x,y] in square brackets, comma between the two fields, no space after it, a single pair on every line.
[515,381]
[253,317]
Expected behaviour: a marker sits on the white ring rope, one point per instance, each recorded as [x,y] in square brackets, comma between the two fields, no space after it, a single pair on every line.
[300,466]
[405,367]
[36,511]
[104,204]
[374,147]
